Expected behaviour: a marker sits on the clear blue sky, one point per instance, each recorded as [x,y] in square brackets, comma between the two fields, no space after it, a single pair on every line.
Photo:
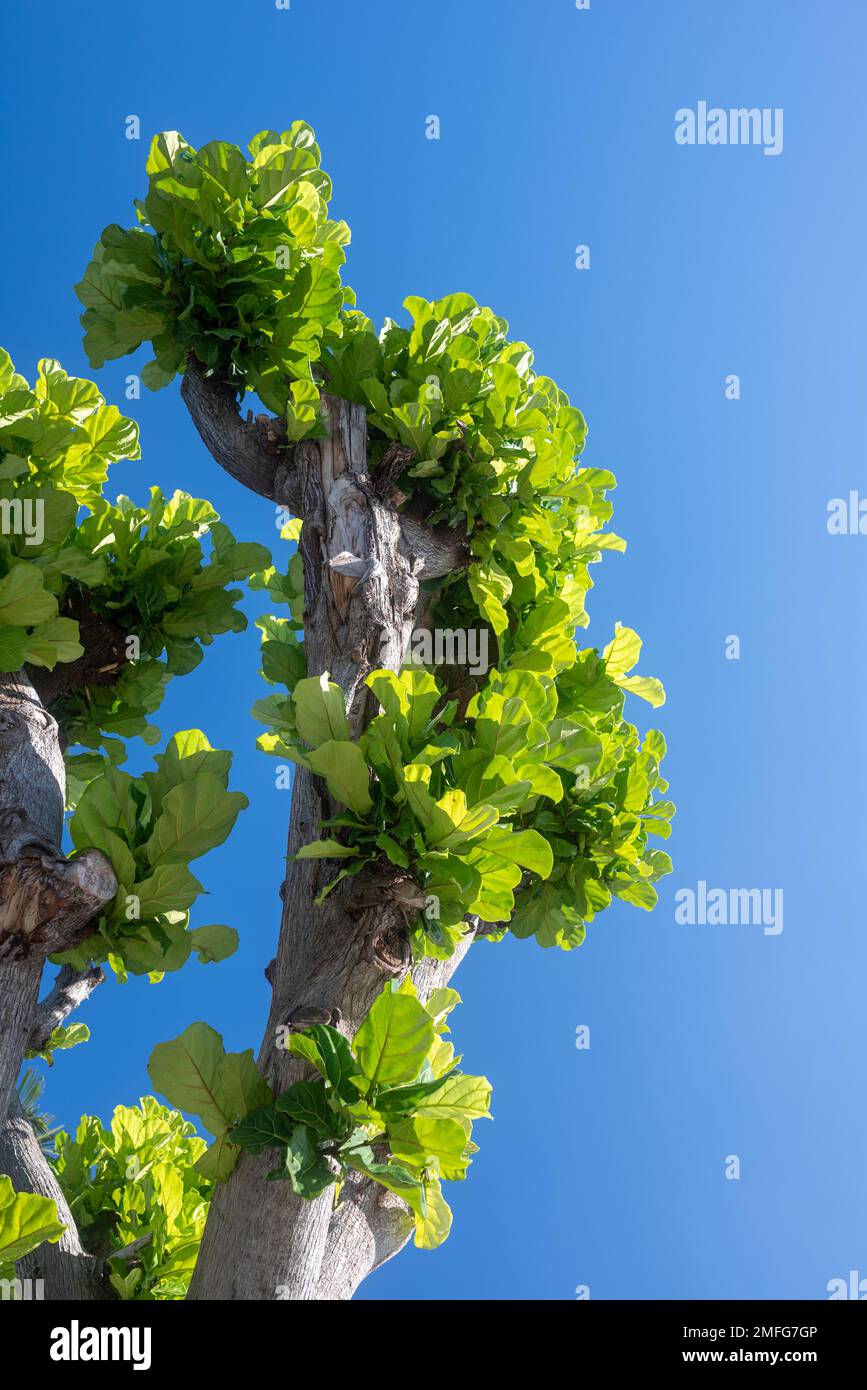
[603,1167]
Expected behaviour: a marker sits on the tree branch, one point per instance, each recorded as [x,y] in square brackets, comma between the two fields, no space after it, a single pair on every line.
[70,990]
[48,903]
[361,594]
[254,452]
[257,454]
[104,656]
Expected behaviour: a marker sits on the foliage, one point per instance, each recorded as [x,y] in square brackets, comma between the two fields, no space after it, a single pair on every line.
[520,799]
[520,796]
[25,1222]
[235,260]
[30,1088]
[138,1181]
[141,570]
[194,1071]
[151,828]
[61,1039]
[391,1104]
[159,588]
[531,783]
[57,441]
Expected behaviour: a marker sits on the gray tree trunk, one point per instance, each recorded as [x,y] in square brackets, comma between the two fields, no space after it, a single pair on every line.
[46,905]
[361,587]
[66,1269]
[46,901]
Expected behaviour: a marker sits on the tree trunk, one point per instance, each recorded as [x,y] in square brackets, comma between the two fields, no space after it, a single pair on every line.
[360,596]
[66,1269]
[47,904]
[372,1225]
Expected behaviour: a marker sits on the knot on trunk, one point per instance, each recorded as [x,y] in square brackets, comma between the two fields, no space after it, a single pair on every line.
[47,903]
[388,948]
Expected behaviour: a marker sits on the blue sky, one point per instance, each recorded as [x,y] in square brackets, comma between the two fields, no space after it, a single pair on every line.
[604,1167]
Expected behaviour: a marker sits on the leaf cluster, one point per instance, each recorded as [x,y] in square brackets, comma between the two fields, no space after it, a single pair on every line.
[234,260]
[137,1181]
[391,1105]
[151,828]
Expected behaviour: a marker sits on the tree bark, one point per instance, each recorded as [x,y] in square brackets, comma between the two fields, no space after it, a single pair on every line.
[372,1225]
[66,1269]
[70,990]
[361,585]
[47,903]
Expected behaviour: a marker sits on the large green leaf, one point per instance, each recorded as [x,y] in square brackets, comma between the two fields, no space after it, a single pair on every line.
[196,816]
[214,942]
[24,601]
[305,1167]
[25,1222]
[394,1039]
[328,1050]
[437,1141]
[320,711]
[346,774]
[195,1073]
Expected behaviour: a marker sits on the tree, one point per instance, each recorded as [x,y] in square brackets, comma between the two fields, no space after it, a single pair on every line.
[461,767]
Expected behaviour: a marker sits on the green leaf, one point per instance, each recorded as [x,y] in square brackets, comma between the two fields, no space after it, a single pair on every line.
[527,848]
[13,647]
[188,753]
[214,942]
[346,774]
[327,849]
[266,1127]
[62,1038]
[435,1223]
[56,640]
[305,1167]
[460,1097]
[320,711]
[170,888]
[195,1073]
[25,1222]
[648,687]
[622,653]
[394,1039]
[329,1051]
[437,1141]
[219,1160]
[544,914]
[306,1103]
[196,816]
[24,601]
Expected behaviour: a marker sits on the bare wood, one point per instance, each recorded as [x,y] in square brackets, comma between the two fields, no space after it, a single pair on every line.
[68,1271]
[47,902]
[70,990]
[256,452]
[261,1241]
[362,564]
